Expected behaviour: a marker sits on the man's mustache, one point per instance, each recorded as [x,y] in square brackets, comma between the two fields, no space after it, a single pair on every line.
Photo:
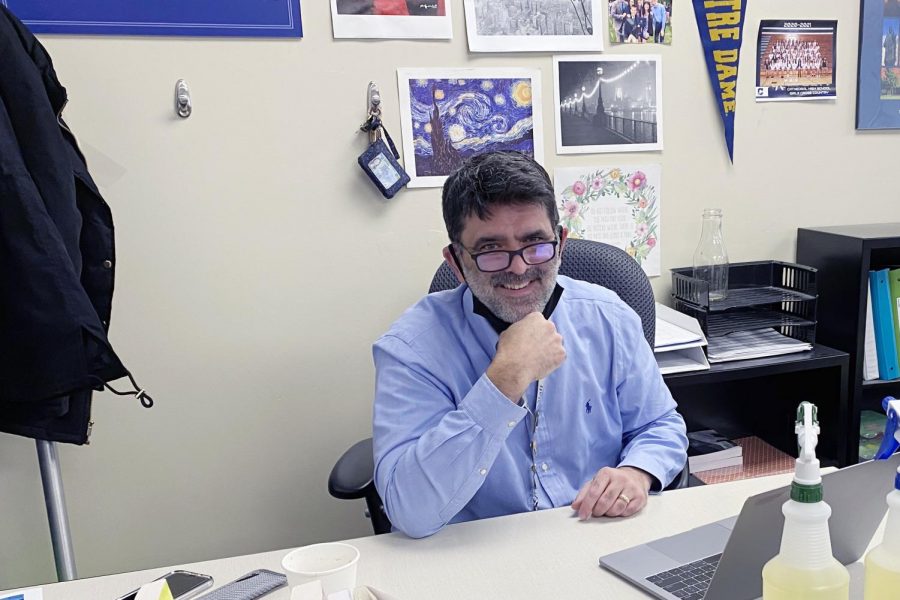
[506,278]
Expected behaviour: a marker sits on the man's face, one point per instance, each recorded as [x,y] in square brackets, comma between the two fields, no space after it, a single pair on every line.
[520,289]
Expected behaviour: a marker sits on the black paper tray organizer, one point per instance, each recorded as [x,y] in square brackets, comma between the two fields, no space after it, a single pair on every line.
[760,294]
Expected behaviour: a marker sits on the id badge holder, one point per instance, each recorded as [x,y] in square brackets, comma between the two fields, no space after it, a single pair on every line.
[381,165]
[381,161]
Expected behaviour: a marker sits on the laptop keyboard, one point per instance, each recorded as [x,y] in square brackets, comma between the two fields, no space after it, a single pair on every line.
[690,581]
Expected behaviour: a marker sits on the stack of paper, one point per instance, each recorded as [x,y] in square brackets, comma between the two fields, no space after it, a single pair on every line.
[758,343]
[679,342]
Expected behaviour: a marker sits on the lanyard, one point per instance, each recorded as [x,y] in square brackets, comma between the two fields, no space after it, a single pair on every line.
[532,442]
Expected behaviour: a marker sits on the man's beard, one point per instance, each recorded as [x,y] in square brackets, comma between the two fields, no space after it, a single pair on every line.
[511,310]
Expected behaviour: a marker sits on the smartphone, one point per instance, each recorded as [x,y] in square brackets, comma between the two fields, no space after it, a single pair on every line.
[182,584]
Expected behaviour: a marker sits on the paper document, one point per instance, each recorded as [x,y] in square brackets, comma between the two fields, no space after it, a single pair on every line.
[669,334]
[758,343]
[679,342]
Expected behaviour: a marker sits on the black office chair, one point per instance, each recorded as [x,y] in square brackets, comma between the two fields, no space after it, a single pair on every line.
[353,475]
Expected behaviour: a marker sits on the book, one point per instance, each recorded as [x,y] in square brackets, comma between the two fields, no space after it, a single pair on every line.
[870,350]
[883,316]
[760,459]
[709,449]
[712,465]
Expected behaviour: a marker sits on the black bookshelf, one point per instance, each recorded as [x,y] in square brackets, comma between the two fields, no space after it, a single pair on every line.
[760,397]
[844,255]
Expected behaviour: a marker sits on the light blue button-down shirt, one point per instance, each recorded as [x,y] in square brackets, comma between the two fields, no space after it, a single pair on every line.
[450,447]
[659,13]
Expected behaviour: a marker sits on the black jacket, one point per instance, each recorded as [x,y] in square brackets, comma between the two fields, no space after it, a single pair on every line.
[57,255]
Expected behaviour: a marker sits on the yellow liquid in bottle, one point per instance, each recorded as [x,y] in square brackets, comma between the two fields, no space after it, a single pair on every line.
[881,583]
[781,582]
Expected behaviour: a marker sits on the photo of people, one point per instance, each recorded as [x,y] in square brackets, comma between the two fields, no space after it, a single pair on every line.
[878,78]
[423,8]
[608,103]
[795,60]
[448,115]
[529,26]
[640,21]
[419,19]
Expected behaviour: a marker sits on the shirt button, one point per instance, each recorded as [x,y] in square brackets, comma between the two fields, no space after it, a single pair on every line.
[107,264]
[511,424]
[483,471]
[545,467]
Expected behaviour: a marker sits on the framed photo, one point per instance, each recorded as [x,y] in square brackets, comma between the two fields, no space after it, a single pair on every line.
[608,103]
[796,60]
[548,26]
[878,86]
[391,19]
[448,115]
[640,22]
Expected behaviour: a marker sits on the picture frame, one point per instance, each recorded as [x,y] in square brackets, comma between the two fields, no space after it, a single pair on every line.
[557,26]
[366,19]
[616,204]
[629,90]
[450,114]
[878,73]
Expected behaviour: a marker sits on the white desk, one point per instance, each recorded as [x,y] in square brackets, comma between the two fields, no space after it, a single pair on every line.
[534,556]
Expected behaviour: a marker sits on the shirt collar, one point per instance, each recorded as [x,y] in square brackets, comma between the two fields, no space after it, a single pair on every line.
[498,324]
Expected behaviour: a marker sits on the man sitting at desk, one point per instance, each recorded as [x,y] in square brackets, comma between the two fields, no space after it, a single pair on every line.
[521,389]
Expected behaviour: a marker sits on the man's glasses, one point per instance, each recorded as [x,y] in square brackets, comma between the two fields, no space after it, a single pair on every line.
[499,260]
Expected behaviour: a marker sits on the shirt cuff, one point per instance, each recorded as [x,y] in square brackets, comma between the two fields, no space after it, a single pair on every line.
[654,471]
[489,408]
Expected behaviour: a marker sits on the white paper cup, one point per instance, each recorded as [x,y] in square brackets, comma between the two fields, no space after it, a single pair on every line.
[333,564]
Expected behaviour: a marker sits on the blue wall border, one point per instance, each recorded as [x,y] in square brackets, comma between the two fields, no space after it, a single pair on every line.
[232,18]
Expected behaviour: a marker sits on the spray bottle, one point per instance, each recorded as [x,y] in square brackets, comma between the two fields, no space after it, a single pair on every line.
[883,561]
[805,567]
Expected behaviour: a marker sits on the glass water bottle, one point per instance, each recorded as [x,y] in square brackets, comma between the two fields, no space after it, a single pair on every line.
[710,257]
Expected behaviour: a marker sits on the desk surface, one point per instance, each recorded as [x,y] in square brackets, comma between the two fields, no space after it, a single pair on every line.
[543,555]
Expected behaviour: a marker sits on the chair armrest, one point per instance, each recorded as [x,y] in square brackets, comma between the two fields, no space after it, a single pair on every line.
[681,480]
[353,474]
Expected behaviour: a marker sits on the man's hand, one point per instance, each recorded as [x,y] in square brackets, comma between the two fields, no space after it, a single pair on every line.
[528,350]
[613,492]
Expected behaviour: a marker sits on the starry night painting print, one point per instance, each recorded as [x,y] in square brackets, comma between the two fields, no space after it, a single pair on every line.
[449,115]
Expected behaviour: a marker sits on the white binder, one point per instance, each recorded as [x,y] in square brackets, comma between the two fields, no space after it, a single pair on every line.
[679,342]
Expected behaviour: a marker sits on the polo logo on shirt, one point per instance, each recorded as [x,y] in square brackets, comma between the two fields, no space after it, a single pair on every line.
[588,407]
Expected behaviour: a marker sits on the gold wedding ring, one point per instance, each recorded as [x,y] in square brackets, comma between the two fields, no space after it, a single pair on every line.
[625,498]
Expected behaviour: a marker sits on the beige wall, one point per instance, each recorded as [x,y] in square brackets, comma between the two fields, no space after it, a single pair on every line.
[256,264]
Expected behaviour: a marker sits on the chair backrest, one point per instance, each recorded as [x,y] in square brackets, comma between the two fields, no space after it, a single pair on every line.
[598,263]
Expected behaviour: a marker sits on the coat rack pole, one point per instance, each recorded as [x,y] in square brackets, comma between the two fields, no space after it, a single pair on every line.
[48,457]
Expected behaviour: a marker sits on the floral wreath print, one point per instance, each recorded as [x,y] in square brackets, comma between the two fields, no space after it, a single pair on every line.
[632,187]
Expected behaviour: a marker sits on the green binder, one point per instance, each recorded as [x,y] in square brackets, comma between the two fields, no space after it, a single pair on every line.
[894,282]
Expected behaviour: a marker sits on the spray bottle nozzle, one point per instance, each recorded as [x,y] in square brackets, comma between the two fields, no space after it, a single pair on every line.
[892,430]
[806,472]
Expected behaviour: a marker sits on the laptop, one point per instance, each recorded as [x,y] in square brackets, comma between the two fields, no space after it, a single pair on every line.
[724,560]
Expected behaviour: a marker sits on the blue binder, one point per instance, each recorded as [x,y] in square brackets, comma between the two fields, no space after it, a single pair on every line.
[883,316]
